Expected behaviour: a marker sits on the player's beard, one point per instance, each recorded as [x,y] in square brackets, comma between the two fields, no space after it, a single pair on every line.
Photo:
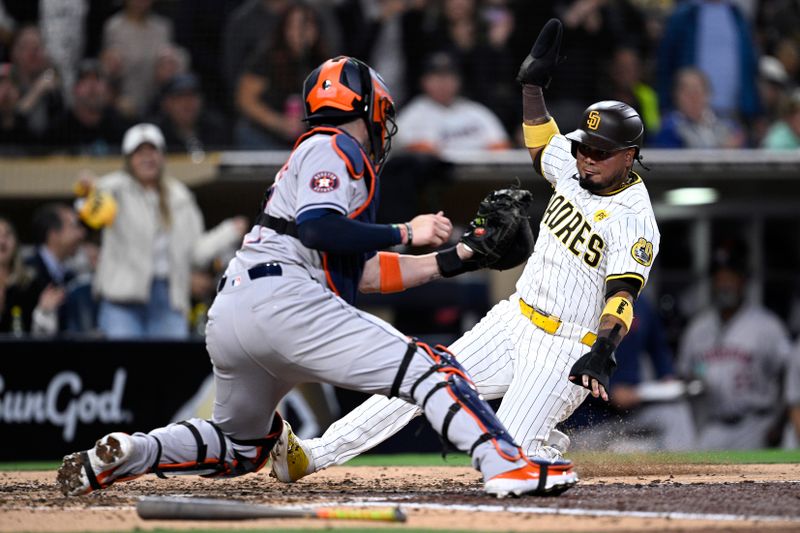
[593,186]
[589,185]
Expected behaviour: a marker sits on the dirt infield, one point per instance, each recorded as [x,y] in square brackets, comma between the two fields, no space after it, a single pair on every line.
[632,497]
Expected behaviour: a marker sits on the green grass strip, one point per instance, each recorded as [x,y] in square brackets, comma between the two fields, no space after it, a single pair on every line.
[458,459]
[715,457]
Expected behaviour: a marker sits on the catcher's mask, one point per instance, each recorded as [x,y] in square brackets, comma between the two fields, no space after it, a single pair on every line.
[343,89]
[609,126]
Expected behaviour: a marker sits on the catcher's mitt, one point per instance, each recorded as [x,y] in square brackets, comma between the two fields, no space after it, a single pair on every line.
[500,235]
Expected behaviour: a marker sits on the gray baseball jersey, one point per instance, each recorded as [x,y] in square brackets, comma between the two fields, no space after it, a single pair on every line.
[742,363]
[314,177]
[585,240]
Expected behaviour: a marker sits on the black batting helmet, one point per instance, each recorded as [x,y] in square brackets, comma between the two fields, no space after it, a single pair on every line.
[343,89]
[610,126]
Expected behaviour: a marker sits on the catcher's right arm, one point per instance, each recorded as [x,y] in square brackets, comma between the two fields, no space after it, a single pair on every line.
[499,236]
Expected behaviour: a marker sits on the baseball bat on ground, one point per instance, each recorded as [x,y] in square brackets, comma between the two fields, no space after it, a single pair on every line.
[154,508]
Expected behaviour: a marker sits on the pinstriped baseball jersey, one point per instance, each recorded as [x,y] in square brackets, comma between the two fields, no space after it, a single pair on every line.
[586,239]
[314,177]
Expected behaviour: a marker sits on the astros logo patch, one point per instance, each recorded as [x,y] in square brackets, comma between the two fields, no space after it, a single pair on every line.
[324,182]
[642,251]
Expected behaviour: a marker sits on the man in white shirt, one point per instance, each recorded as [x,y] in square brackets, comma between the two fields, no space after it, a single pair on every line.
[441,119]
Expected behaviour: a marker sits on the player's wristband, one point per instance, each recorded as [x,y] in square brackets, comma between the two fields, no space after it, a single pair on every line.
[620,308]
[409,234]
[604,347]
[450,264]
[391,275]
[538,135]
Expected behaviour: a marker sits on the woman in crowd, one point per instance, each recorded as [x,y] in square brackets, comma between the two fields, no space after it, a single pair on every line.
[152,237]
[268,97]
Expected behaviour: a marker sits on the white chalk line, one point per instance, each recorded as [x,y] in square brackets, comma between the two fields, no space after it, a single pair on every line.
[573,511]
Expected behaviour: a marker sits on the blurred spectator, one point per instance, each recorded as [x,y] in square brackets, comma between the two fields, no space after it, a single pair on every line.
[693,124]
[441,119]
[269,96]
[248,29]
[255,24]
[654,14]
[63,25]
[777,20]
[588,37]
[478,37]
[633,419]
[171,61]
[496,86]
[91,126]
[740,351]
[713,36]
[787,51]
[147,253]
[132,40]
[38,82]
[460,31]
[187,126]
[199,26]
[80,306]
[626,85]
[58,235]
[773,88]
[7,25]
[14,133]
[385,34]
[23,308]
[785,133]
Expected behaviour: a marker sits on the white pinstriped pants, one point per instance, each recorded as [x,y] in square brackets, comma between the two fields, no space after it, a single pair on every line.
[507,357]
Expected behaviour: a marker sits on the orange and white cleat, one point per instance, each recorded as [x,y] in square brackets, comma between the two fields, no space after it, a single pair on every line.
[96,468]
[538,477]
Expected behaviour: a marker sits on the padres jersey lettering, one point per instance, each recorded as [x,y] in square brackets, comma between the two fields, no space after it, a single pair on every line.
[574,231]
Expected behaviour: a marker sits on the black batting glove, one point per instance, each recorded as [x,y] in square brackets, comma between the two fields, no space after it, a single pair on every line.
[598,365]
[538,67]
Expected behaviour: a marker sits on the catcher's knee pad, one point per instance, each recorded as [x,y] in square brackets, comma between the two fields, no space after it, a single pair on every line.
[444,361]
[217,454]
[465,398]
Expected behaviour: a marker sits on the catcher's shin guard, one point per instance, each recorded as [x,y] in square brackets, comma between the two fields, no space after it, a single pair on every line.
[216,454]
[456,410]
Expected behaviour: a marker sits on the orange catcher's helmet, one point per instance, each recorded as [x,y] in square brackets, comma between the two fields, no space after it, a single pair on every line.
[344,89]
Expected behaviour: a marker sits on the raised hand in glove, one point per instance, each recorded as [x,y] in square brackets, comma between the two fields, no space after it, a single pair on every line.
[499,236]
[593,370]
[538,67]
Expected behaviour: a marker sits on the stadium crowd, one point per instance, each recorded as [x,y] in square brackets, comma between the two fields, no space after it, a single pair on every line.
[77,77]
[225,74]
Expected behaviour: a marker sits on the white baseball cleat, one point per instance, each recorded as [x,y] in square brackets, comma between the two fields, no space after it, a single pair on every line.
[96,468]
[291,459]
[539,477]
